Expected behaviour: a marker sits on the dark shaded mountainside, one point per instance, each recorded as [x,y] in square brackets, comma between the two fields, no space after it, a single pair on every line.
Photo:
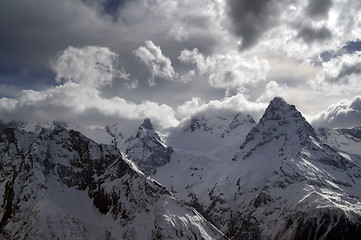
[60,184]
[275,179]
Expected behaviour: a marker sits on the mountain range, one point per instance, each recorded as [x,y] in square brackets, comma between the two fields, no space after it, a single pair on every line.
[218,175]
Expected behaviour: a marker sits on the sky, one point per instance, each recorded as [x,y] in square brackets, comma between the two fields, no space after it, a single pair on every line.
[97,62]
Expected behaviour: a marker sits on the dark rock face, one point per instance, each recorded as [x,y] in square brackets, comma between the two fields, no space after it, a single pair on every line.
[11,162]
[322,224]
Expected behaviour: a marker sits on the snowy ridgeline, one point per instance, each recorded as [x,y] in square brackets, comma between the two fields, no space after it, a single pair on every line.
[276,179]
[60,184]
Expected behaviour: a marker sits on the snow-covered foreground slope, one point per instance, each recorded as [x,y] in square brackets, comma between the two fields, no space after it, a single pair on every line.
[58,184]
[283,182]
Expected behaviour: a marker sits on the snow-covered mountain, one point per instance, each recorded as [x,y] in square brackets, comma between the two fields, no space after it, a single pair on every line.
[275,179]
[303,188]
[283,182]
[60,184]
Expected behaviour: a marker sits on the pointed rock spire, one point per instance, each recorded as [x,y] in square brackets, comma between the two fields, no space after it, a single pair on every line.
[147,124]
[147,150]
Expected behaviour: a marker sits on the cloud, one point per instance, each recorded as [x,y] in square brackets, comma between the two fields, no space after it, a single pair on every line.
[158,64]
[194,42]
[318,8]
[340,75]
[90,66]
[272,90]
[228,70]
[250,18]
[82,74]
[236,103]
[310,35]
[72,102]
[345,114]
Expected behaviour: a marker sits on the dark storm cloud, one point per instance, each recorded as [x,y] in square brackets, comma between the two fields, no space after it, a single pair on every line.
[318,8]
[34,31]
[251,18]
[310,35]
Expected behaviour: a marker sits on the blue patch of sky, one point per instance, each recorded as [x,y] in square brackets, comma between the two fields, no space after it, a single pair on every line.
[349,48]
[111,6]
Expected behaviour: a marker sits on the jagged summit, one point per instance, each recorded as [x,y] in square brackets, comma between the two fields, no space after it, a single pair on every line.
[147,124]
[277,107]
[147,150]
[283,113]
[146,130]
[280,122]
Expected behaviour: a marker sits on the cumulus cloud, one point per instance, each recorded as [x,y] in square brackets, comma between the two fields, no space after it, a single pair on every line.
[345,114]
[272,90]
[82,73]
[90,66]
[71,102]
[158,64]
[228,70]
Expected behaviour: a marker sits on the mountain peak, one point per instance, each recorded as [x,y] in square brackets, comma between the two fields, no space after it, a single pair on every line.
[278,100]
[280,104]
[147,150]
[280,121]
[147,124]
[277,109]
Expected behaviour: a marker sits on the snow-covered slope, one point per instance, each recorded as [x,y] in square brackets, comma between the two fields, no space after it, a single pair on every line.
[216,134]
[344,140]
[283,183]
[113,133]
[303,188]
[60,184]
[277,179]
